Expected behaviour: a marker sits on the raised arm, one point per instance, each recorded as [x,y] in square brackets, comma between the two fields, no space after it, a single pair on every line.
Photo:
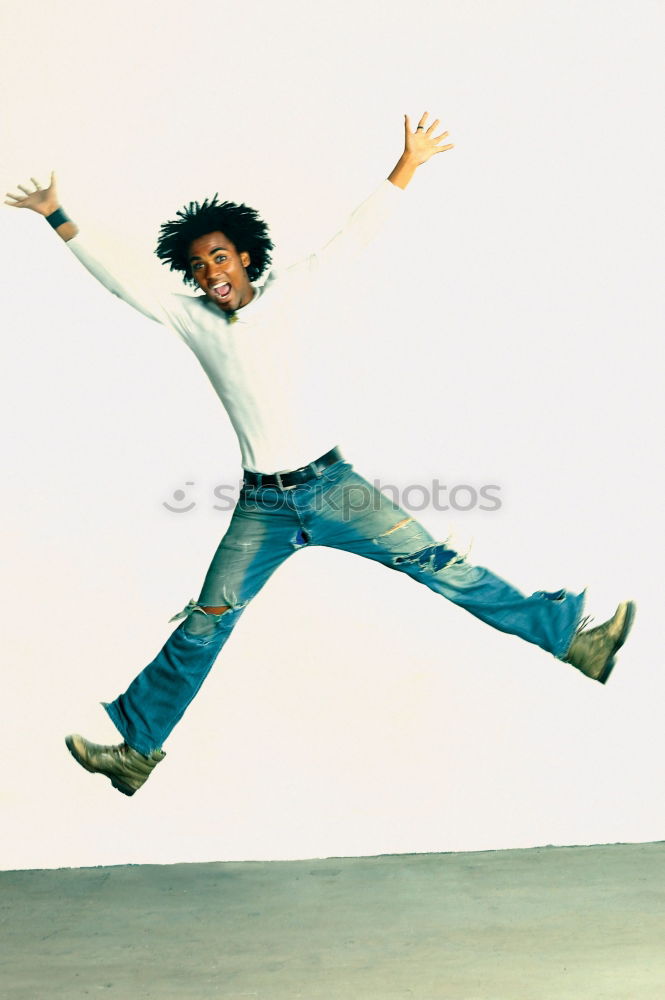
[142,295]
[420,145]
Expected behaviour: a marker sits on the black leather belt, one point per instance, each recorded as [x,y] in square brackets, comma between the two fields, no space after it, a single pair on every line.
[294,476]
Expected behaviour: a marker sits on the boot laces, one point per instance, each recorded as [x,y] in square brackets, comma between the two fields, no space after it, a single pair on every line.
[583,624]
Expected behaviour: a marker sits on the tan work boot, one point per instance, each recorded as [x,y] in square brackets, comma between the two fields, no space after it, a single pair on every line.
[127,768]
[593,650]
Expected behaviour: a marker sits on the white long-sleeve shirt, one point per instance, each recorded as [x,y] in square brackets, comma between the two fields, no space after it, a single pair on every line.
[248,356]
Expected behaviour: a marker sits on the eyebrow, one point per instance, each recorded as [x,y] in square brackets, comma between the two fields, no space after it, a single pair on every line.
[226,250]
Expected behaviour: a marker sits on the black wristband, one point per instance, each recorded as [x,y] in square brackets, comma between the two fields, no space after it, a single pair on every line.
[57,218]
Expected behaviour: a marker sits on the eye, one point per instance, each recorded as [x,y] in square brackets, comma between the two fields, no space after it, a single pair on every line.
[220,256]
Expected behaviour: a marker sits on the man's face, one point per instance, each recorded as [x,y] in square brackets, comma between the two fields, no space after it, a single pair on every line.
[220,271]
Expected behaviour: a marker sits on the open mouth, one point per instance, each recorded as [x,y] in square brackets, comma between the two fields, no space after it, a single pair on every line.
[221,292]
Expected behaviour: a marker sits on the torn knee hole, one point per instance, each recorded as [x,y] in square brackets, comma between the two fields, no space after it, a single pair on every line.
[205,611]
[204,620]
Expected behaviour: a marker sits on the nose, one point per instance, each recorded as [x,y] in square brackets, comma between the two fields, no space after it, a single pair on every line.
[213,272]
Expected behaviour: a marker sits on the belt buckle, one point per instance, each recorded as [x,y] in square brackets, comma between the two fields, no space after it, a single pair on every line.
[312,468]
[280,484]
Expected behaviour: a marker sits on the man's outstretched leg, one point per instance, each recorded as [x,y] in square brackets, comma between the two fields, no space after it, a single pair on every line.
[256,543]
[359,518]
[156,699]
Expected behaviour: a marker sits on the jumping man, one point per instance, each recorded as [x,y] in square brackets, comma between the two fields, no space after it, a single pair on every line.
[243,333]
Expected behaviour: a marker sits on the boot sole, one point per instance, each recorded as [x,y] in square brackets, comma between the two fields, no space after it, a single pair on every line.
[125,789]
[627,625]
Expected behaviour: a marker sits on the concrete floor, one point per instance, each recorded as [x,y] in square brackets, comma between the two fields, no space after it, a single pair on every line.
[581,923]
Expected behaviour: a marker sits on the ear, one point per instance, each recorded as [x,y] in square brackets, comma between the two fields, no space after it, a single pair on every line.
[245,259]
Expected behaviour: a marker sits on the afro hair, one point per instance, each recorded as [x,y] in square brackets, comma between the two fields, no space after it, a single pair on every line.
[239,223]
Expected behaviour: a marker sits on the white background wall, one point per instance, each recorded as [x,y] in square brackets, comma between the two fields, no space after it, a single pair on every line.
[519,300]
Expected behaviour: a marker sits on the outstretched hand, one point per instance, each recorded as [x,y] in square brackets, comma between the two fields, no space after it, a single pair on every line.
[421,143]
[41,200]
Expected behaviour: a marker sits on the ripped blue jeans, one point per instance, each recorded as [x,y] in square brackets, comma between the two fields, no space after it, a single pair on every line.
[340,510]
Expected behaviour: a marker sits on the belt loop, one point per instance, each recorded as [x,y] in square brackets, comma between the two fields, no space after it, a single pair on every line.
[279,480]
